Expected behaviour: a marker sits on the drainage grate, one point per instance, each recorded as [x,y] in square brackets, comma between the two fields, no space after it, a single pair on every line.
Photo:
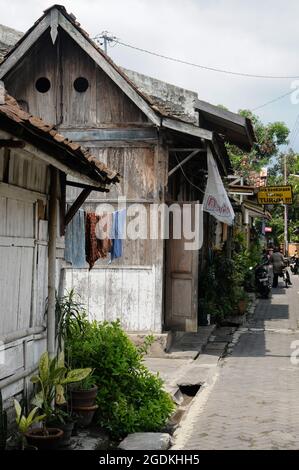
[189,390]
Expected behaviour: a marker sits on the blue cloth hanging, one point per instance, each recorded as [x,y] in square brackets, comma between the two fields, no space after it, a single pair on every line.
[117,233]
[75,241]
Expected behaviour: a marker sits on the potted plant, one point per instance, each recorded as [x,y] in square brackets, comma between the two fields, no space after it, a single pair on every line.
[24,424]
[63,419]
[83,400]
[51,380]
[70,318]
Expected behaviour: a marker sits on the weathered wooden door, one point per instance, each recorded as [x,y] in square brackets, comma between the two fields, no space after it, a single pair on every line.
[181,297]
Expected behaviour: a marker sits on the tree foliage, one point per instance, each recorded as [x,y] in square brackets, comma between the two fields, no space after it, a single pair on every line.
[267,153]
[269,138]
[276,177]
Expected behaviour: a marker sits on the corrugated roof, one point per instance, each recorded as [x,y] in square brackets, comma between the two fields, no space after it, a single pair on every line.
[69,153]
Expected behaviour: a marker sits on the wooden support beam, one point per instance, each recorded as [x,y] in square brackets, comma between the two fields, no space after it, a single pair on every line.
[10,143]
[186,128]
[77,204]
[52,230]
[62,205]
[192,154]
[74,184]
[112,134]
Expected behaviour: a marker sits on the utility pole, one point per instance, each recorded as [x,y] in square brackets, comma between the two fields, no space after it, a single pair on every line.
[106,37]
[286,242]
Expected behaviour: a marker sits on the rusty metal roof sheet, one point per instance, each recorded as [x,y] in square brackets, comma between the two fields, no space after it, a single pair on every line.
[70,153]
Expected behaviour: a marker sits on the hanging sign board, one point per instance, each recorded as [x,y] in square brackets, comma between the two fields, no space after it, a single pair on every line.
[275,195]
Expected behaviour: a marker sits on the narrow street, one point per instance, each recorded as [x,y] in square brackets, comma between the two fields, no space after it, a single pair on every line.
[252,400]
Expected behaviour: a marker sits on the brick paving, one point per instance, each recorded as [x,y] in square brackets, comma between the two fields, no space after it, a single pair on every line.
[253,402]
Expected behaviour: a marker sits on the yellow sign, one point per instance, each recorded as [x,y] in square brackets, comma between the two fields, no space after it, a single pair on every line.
[275,195]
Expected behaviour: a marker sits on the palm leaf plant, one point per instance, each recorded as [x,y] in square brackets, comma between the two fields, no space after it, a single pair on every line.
[24,422]
[51,380]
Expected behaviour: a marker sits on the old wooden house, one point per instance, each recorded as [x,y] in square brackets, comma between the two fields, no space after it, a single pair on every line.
[34,163]
[155,135]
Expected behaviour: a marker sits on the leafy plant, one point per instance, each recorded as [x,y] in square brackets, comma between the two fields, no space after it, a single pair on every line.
[223,281]
[86,384]
[24,423]
[130,398]
[68,313]
[269,138]
[51,380]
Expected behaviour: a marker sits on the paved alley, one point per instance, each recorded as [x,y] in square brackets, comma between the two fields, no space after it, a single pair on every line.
[252,402]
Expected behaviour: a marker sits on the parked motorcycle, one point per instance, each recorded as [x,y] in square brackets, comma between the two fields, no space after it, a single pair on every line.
[284,276]
[294,265]
[262,280]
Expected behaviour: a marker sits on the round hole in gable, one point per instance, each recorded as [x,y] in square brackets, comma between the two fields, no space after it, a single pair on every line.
[43,84]
[81,84]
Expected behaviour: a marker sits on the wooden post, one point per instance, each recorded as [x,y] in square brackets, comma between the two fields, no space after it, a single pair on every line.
[77,204]
[62,205]
[52,263]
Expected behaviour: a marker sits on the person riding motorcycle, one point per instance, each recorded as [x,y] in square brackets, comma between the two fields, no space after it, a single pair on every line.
[278,262]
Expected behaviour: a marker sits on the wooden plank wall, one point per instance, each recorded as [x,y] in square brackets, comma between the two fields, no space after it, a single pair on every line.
[131,288]
[23,268]
[143,167]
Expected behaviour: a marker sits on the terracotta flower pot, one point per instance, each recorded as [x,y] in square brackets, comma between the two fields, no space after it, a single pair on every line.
[36,438]
[67,429]
[84,414]
[83,398]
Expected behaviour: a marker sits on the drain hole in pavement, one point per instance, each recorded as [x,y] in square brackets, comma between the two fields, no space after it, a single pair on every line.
[189,390]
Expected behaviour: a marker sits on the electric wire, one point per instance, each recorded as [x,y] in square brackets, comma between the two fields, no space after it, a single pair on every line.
[274,100]
[205,67]
[114,41]
[294,132]
[214,69]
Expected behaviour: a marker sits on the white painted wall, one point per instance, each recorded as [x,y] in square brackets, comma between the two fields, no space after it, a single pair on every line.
[126,293]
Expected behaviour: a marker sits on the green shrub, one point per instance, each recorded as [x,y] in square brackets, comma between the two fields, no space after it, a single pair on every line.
[130,398]
[222,283]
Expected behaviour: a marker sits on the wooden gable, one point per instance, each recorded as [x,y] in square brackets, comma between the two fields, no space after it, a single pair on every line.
[102,103]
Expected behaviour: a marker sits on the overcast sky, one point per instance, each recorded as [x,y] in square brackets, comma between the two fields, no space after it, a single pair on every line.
[259,37]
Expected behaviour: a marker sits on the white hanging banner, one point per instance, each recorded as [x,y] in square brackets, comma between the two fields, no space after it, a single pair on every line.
[216,200]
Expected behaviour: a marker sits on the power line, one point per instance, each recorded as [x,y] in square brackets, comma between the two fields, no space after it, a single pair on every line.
[294,131]
[205,67]
[113,40]
[274,100]
[107,38]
